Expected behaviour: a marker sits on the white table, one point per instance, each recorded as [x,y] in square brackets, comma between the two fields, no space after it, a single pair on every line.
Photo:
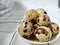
[9,23]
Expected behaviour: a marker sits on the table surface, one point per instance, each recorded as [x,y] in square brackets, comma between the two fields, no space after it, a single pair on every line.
[20,6]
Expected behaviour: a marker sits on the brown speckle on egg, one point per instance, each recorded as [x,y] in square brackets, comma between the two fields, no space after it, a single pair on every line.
[25,30]
[44,19]
[48,19]
[38,20]
[44,16]
[57,28]
[31,29]
[34,27]
[25,26]
[26,22]
[52,23]
[51,28]
[33,21]
[28,15]
[45,12]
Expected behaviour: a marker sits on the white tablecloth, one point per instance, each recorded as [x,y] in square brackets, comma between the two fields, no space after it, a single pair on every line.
[9,22]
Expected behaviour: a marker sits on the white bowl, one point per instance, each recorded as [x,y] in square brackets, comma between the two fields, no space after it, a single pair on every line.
[38,43]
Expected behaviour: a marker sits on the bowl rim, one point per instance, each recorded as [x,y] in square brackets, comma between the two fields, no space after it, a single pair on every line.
[57,36]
